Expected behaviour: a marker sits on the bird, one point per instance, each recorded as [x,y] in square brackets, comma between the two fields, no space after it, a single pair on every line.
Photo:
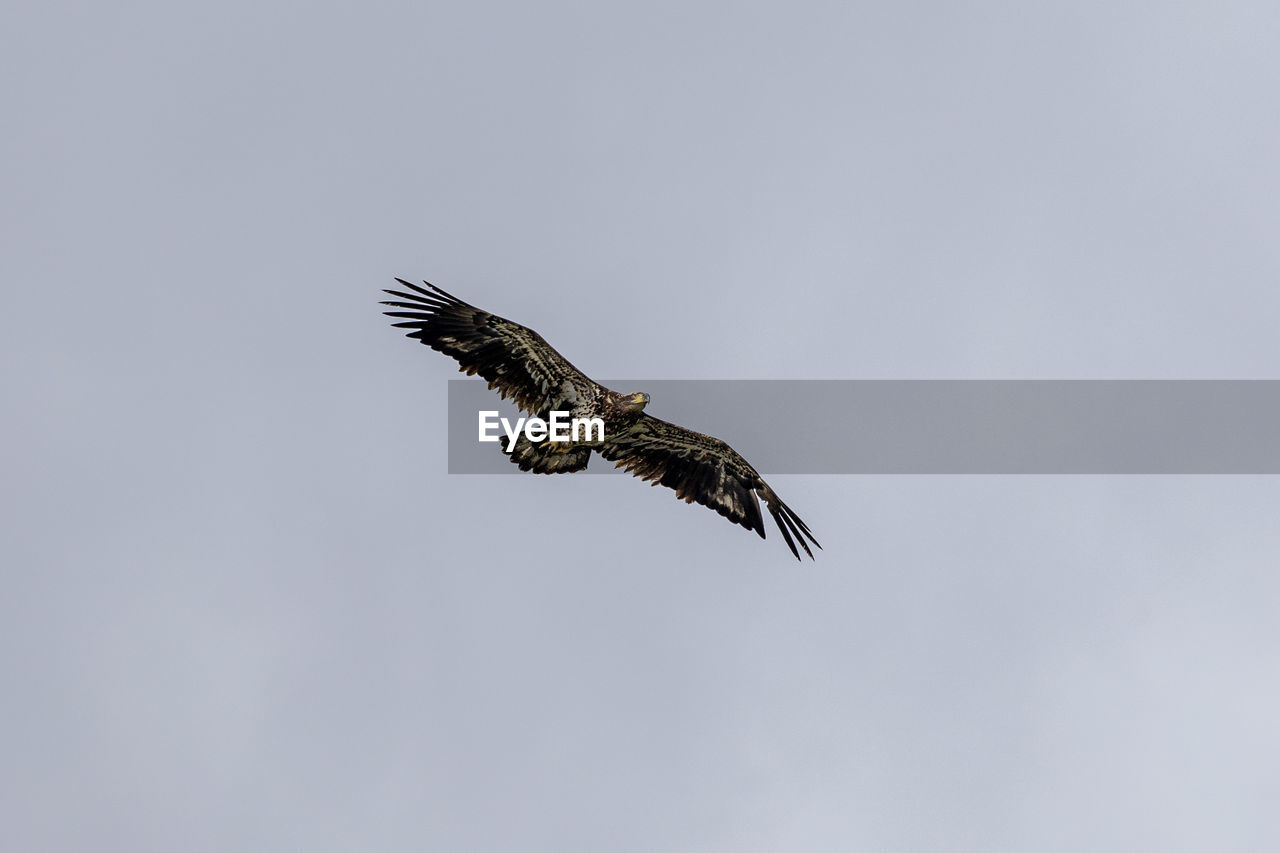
[521,366]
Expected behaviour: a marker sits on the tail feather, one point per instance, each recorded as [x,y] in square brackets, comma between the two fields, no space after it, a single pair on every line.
[547,457]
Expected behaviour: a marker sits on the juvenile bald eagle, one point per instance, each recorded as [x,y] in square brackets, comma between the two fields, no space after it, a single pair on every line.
[523,367]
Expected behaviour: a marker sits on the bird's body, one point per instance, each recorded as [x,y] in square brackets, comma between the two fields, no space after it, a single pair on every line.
[522,366]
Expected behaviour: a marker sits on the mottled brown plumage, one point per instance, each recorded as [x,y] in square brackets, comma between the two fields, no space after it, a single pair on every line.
[524,368]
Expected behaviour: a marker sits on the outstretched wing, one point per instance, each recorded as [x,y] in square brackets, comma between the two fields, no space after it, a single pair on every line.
[514,359]
[706,470]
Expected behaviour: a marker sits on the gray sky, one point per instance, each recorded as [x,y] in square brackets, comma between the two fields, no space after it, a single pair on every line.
[245,608]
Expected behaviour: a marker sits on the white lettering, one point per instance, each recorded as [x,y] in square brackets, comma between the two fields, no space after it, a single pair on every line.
[560,426]
[588,425]
[486,424]
[536,430]
[512,433]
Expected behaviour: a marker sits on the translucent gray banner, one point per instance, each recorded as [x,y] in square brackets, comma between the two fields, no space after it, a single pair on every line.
[943,426]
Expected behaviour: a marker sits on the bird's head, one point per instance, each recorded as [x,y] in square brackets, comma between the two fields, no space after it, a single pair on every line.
[635,402]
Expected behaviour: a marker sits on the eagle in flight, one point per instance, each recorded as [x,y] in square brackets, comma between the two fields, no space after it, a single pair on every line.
[523,367]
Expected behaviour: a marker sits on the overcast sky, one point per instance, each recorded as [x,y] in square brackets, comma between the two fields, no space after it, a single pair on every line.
[245,608]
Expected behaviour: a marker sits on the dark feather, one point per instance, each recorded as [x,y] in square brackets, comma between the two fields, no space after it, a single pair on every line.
[707,471]
[515,360]
[547,457]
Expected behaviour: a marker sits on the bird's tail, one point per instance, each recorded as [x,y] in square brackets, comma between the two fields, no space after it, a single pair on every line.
[547,457]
